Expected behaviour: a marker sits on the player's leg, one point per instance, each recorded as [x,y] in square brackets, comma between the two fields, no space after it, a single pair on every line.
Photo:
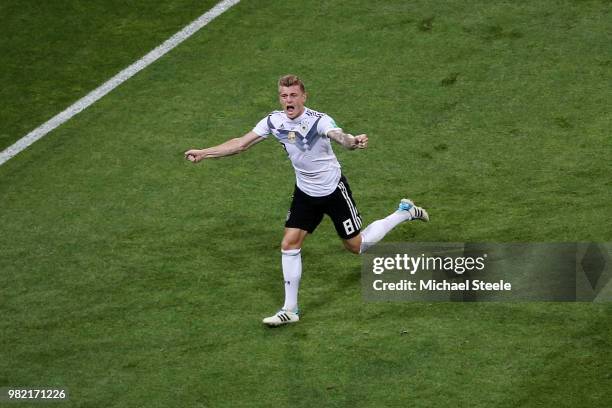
[353,244]
[303,217]
[291,260]
[293,239]
[376,231]
[341,208]
[343,211]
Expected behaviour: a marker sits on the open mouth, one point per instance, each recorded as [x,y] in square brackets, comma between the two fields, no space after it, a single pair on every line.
[290,108]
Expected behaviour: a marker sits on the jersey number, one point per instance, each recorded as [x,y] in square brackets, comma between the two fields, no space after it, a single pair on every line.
[348,226]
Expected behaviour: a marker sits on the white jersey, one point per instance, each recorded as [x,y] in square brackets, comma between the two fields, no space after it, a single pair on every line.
[317,170]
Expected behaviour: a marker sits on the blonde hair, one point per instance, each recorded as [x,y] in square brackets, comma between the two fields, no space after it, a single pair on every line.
[291,80]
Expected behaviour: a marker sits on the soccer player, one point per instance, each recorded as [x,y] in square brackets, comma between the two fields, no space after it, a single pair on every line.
[320,186]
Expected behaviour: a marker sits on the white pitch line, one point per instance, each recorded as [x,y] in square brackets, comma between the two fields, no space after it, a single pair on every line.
[115,81]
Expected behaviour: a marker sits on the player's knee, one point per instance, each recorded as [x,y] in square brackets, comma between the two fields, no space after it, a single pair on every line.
[352,246]
[354,250]
[289,243]
[292,239]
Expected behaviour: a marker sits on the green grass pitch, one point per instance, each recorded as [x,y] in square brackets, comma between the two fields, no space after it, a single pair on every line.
[134,278]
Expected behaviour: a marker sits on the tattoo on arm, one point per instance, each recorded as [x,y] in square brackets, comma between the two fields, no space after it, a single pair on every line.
[345,139]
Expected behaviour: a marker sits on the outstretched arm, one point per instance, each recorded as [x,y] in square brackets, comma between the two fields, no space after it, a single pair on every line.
[232,146]
[347,140]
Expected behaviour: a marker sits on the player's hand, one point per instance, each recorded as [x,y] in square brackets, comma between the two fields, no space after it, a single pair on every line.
[194,155]
[361,141]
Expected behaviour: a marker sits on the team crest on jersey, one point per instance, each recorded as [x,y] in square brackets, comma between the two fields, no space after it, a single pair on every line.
[291,137]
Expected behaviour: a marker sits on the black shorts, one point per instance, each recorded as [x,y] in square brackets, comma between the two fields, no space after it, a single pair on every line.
[306,212]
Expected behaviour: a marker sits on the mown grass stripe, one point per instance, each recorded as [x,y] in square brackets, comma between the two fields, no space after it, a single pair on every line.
[115,81]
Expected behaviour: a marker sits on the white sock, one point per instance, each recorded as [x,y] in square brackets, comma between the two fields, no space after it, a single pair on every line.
[292,272]
[379,228]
